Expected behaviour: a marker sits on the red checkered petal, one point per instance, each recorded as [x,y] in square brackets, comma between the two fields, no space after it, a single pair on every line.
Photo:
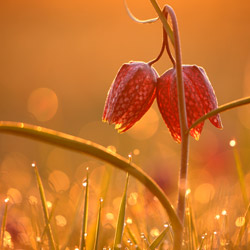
[199,97]
[205,91]
[130,95]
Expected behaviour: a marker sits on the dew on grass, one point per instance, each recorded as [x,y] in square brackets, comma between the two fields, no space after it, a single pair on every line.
[217,217]
[6,200]
[129,220]
[166,225]
[84,183]
[224,212]
[232,143]
[49,204]
[188,191]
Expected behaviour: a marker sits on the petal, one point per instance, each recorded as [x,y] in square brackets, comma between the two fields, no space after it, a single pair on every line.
[167,103]
[130,95]
[142,94]
[205,91]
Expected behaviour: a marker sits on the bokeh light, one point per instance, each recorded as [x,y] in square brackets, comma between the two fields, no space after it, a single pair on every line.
[240,222]
[204,193]
[146,127]
[60,220]
[59,181]
[43,104]
[14,195]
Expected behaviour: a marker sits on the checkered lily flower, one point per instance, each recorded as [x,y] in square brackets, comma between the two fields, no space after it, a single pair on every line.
[199,96]
[130,95]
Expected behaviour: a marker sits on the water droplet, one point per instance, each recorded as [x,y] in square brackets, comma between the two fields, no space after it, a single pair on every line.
[33,164]
[224,212]
[232,143]
[84,183]
[217,217]
[129,220]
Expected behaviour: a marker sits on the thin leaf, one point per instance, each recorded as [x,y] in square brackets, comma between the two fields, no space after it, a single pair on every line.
[3,227]
[243,228]
[75,220]
[80,145]
[45,210]
[220,109]
[98,225]
[152,20]
[241,176]
[133,238]
[85,213]
[159,239]
[202,242]
[121,218]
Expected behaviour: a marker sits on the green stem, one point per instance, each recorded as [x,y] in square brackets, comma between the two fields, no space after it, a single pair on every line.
[83,146]
[183,126]
[220,109]
[163,20]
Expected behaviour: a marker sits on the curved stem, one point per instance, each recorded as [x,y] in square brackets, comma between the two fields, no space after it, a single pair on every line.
[183,126]
[165,38]
[220,109]
[83,146]
[151,20]
[160,54]
[163,20]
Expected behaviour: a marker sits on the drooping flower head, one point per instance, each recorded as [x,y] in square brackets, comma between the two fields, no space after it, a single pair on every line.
[199,96]
[130,95]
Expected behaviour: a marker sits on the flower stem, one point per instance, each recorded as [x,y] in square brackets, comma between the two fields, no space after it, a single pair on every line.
[163,20]
[183,126]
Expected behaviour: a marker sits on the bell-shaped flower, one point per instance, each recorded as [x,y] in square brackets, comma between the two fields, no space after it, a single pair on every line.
[130,95]
[199,96]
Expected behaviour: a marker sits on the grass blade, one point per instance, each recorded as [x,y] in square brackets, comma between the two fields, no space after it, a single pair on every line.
[85,213]
[98,225]
[121,218]
[133,238]
[159,239]
[4,222]
[84,146]
[45,210]
[75,220]
[244,228]
[240,175]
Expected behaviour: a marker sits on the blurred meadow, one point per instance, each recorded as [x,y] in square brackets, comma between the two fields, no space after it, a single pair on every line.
[57,62]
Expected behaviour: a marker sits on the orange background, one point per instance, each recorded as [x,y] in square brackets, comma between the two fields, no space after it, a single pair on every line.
[75,48]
